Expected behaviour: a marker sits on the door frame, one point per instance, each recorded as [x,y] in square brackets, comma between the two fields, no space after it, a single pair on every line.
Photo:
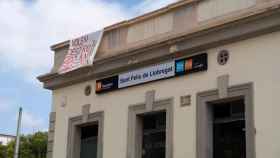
[74,133]
[134,135]
[204,137]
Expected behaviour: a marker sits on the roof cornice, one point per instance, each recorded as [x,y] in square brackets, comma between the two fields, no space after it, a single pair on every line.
[7,135]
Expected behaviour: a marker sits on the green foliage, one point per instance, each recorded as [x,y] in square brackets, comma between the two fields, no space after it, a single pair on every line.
[31,146]
[3,151]
[38,144]
[10,149]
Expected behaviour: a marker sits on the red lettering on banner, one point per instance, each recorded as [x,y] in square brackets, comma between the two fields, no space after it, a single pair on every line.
[80,52]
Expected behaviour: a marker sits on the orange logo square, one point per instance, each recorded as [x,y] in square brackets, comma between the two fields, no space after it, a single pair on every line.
[98,86]
[188,64]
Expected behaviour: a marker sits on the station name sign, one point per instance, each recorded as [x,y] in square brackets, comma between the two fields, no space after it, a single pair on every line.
[164,70]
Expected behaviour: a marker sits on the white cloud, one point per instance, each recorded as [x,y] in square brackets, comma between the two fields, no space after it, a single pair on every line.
[27,30]
[32,123]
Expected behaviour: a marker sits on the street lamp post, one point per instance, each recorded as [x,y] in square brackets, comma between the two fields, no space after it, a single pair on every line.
[16,152]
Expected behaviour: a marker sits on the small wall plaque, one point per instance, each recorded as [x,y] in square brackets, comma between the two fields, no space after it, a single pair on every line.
[185,100]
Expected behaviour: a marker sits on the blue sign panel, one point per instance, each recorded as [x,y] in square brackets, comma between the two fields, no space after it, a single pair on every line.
[180,66]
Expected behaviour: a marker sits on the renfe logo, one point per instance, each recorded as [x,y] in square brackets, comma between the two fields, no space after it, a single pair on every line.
[152,73]
[107,84]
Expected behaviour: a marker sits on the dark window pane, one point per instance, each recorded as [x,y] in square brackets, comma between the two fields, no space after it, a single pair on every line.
[89,131]
[229,135]
[231,110]
[154,135]
[238,107]
[229,140]
[221,111]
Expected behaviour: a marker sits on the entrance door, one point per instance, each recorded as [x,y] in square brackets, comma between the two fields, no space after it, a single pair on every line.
[89,136]
[229,135]
[154,135]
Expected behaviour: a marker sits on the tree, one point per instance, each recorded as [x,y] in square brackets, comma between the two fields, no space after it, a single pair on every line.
[31,146]
[38,144]
[3,151]
[10,149]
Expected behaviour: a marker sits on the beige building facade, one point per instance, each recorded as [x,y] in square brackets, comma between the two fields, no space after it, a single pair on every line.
[240,42]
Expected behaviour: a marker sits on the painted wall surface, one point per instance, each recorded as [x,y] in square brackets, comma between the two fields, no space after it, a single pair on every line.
[255,60]
[5,140]
[149,28]
[210,9]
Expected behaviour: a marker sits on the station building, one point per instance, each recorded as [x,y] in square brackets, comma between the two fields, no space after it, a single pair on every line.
[6,139]
[195,79]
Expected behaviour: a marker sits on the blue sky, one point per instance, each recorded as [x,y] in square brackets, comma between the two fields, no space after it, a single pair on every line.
[28,28]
